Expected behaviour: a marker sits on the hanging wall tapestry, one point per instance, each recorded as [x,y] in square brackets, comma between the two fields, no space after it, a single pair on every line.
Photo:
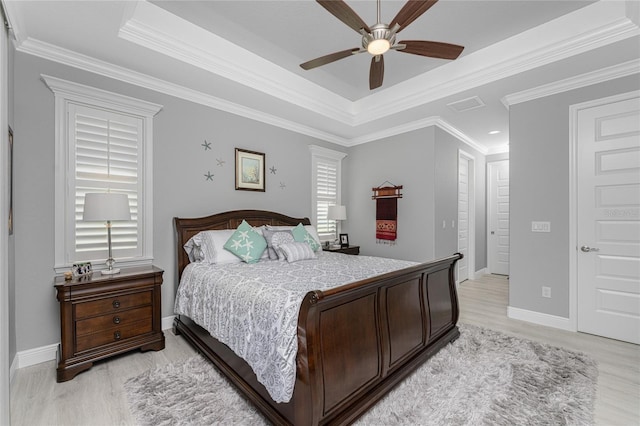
[386,212]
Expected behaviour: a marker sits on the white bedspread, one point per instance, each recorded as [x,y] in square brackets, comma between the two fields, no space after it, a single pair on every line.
[253,308]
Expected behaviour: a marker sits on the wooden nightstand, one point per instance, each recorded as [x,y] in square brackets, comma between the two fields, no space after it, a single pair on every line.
[347,250]
[106,315]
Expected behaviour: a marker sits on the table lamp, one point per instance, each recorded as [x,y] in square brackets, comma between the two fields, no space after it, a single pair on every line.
[337,213]
[106,207]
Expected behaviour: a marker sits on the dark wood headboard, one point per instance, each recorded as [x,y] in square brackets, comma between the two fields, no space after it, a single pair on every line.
[188,227]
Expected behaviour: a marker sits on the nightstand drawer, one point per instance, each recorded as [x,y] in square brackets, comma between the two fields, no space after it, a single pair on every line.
[117,319]
[112,304]
[112,335]
[102,315]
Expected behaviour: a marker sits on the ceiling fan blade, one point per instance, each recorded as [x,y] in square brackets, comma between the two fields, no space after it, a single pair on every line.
[326,59]
[343,12]
[376,73]
[410,12]
[432,49]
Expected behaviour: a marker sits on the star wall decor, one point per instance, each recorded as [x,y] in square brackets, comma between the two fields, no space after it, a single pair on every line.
[209,176]
[220,162]
[273,170]
[206,145]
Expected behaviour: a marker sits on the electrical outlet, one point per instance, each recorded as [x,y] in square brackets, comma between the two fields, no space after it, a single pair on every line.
[546,292]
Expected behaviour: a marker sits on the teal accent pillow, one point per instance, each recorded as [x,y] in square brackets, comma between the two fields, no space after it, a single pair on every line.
[301,235]
[246,243]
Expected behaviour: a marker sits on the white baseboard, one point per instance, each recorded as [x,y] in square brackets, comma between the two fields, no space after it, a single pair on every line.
[36,355]
[50,352]
[12,369]
[540,318]
[480,272]
[167,322]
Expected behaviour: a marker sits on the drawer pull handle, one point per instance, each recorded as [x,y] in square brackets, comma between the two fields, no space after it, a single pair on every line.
[116,335]
[116,304]
[116,320]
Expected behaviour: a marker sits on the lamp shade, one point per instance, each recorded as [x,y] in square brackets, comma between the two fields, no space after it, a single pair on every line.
[101,207]
[337,213]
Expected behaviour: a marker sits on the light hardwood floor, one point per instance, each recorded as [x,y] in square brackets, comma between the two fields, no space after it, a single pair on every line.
[97,397]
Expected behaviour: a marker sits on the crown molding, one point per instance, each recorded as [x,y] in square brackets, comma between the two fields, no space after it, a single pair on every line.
[159,30]
[416,125]
[13,19]
[86,63]
[582,80]
[601,23]
[76,60]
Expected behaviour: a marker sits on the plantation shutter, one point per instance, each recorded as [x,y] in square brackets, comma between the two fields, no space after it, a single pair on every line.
[326,174]
[106,156]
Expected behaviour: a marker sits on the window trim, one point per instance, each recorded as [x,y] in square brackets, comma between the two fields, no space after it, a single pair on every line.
[330,154]
[66,93]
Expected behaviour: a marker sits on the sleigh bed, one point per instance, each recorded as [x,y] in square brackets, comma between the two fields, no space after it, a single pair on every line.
[354,342]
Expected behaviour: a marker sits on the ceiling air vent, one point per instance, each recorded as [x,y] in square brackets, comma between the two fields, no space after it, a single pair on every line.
[466,104]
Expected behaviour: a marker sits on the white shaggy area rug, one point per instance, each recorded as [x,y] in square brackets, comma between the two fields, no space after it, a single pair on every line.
[483,378]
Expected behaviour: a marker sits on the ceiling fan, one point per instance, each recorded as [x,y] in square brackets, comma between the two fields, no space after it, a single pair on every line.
[381,37]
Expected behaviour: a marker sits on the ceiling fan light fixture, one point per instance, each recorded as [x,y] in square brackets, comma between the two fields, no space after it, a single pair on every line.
[379,40]
[378,47]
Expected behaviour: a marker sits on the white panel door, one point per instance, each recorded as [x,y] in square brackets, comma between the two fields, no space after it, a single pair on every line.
[608,222]
[498,240]
[463,218]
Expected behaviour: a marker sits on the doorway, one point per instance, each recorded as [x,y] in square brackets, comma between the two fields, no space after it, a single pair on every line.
[605,261]
[466,216]
[498,218]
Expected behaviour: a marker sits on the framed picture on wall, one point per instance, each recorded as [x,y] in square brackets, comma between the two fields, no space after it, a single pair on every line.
[249,170]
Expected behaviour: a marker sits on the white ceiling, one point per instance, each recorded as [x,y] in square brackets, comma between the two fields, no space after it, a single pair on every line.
[244,56]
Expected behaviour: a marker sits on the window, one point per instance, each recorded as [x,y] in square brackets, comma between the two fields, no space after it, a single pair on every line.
[325,188]
[103,144]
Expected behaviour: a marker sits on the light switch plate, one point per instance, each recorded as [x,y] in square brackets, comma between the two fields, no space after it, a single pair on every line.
[540,226]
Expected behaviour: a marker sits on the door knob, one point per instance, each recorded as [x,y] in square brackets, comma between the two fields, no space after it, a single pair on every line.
[587,249]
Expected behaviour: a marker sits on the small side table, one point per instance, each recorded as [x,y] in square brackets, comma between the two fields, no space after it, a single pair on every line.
[106,315]
[355,250]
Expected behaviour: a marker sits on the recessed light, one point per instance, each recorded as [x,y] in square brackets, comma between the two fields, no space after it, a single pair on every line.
[494,132]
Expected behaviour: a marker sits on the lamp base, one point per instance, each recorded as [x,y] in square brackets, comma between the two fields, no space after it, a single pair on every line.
[110,271]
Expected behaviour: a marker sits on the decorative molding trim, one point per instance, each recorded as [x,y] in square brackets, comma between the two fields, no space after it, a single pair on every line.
[416,125]
[167,322]
[76,60]
[481,272]
[47,353]
[587,79]
[159,30]
[36,355]
[83,93]
[602,23]
[326,152]
[13,369]
[540,318]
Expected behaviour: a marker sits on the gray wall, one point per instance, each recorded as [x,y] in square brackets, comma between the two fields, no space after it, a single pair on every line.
[179,185]
[446,198]
[406,160]
[539,191]
[425,163]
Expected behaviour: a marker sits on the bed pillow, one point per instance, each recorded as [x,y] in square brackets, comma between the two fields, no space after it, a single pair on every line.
[274,238]
[310,229]
[201,247]
[246,243]
[296,251]
[301,235]
[260,230]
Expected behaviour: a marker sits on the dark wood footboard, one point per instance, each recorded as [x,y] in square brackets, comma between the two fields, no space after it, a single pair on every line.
[355,342]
